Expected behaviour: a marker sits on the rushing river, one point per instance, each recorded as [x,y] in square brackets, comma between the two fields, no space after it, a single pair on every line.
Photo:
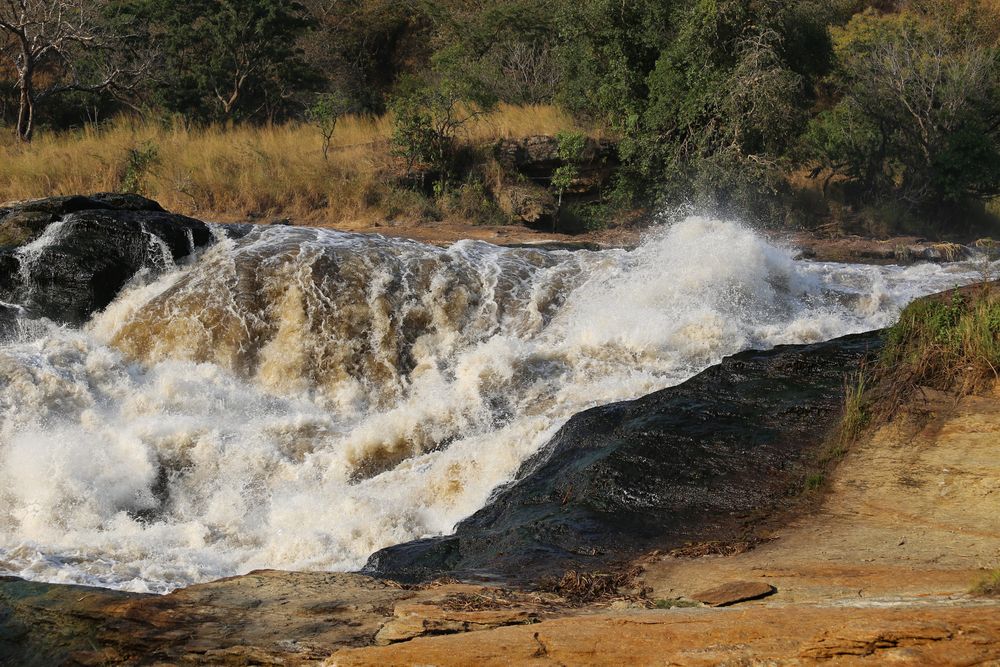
[300,398]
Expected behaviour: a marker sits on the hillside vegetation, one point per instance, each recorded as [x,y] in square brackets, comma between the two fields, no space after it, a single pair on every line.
[862,115]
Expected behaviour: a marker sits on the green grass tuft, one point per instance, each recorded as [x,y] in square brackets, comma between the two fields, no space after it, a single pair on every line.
[675,603]
[815,481]
[949,343]
[989,585]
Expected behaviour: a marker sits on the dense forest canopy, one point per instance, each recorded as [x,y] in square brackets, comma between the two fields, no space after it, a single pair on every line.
[887,103]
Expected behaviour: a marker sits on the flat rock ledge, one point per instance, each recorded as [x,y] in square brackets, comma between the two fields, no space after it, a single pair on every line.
[734,592]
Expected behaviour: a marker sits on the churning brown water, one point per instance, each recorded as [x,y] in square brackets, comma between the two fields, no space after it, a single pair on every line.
[300,398]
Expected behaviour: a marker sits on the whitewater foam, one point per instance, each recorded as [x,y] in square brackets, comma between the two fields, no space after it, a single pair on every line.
[300,398]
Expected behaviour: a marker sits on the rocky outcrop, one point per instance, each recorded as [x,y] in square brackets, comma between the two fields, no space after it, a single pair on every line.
[793,635]
[538,157]
[65,258]
[528,165]
[526,202]
[263,618]
[896,250]
[689,463]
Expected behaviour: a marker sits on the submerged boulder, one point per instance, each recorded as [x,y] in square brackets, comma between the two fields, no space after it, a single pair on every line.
[688,463]
[65,258]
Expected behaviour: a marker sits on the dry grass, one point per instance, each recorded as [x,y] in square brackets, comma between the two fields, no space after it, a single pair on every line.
[228,173]
[586,587]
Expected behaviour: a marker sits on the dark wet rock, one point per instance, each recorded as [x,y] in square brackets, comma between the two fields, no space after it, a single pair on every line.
[96,245]
[8,320]
[690,463]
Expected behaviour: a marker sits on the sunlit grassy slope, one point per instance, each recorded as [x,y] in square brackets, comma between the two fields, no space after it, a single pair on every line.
[236,172]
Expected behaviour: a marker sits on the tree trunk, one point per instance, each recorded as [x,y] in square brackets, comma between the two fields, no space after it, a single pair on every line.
[26,110]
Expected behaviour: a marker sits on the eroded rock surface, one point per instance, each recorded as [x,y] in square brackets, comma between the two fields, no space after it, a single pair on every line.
[265,617]
[703,637]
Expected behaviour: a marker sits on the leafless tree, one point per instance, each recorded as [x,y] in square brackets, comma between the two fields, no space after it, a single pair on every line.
[52,36]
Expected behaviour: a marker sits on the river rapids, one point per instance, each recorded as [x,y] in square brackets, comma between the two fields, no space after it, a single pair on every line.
[300,398]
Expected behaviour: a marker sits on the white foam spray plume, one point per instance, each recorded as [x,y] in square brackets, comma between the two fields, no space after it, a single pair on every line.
[301,398]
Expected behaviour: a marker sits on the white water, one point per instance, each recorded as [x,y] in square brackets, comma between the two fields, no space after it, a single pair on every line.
[302,398]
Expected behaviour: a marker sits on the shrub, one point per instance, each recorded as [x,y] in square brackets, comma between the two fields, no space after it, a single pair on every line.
[138,162]
[951,344]
[471,203]
[428,119]
[324,114]
[570,152]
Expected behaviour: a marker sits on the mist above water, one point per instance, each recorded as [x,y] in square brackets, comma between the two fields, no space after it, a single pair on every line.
[300,398]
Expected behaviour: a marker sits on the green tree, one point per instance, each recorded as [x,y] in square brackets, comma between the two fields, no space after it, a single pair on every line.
[727,98]
[607,48]
[508,46]
[230,59]
[571,147]
[919,114]
[324,114]
[431,112]
[364,47]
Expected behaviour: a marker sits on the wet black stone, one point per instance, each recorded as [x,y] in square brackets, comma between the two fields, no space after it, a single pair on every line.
[105,241]
[685,464]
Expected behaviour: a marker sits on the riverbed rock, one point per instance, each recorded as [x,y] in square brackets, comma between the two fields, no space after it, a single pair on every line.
[687,464]
[263,618]
[895,250]
[734,592]
[65,258]
[413,620]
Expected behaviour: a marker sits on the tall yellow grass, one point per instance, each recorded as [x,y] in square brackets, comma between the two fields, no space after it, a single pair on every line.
[228,173]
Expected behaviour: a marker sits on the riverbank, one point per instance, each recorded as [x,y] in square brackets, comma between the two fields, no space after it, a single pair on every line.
[504,193]
[880,568]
